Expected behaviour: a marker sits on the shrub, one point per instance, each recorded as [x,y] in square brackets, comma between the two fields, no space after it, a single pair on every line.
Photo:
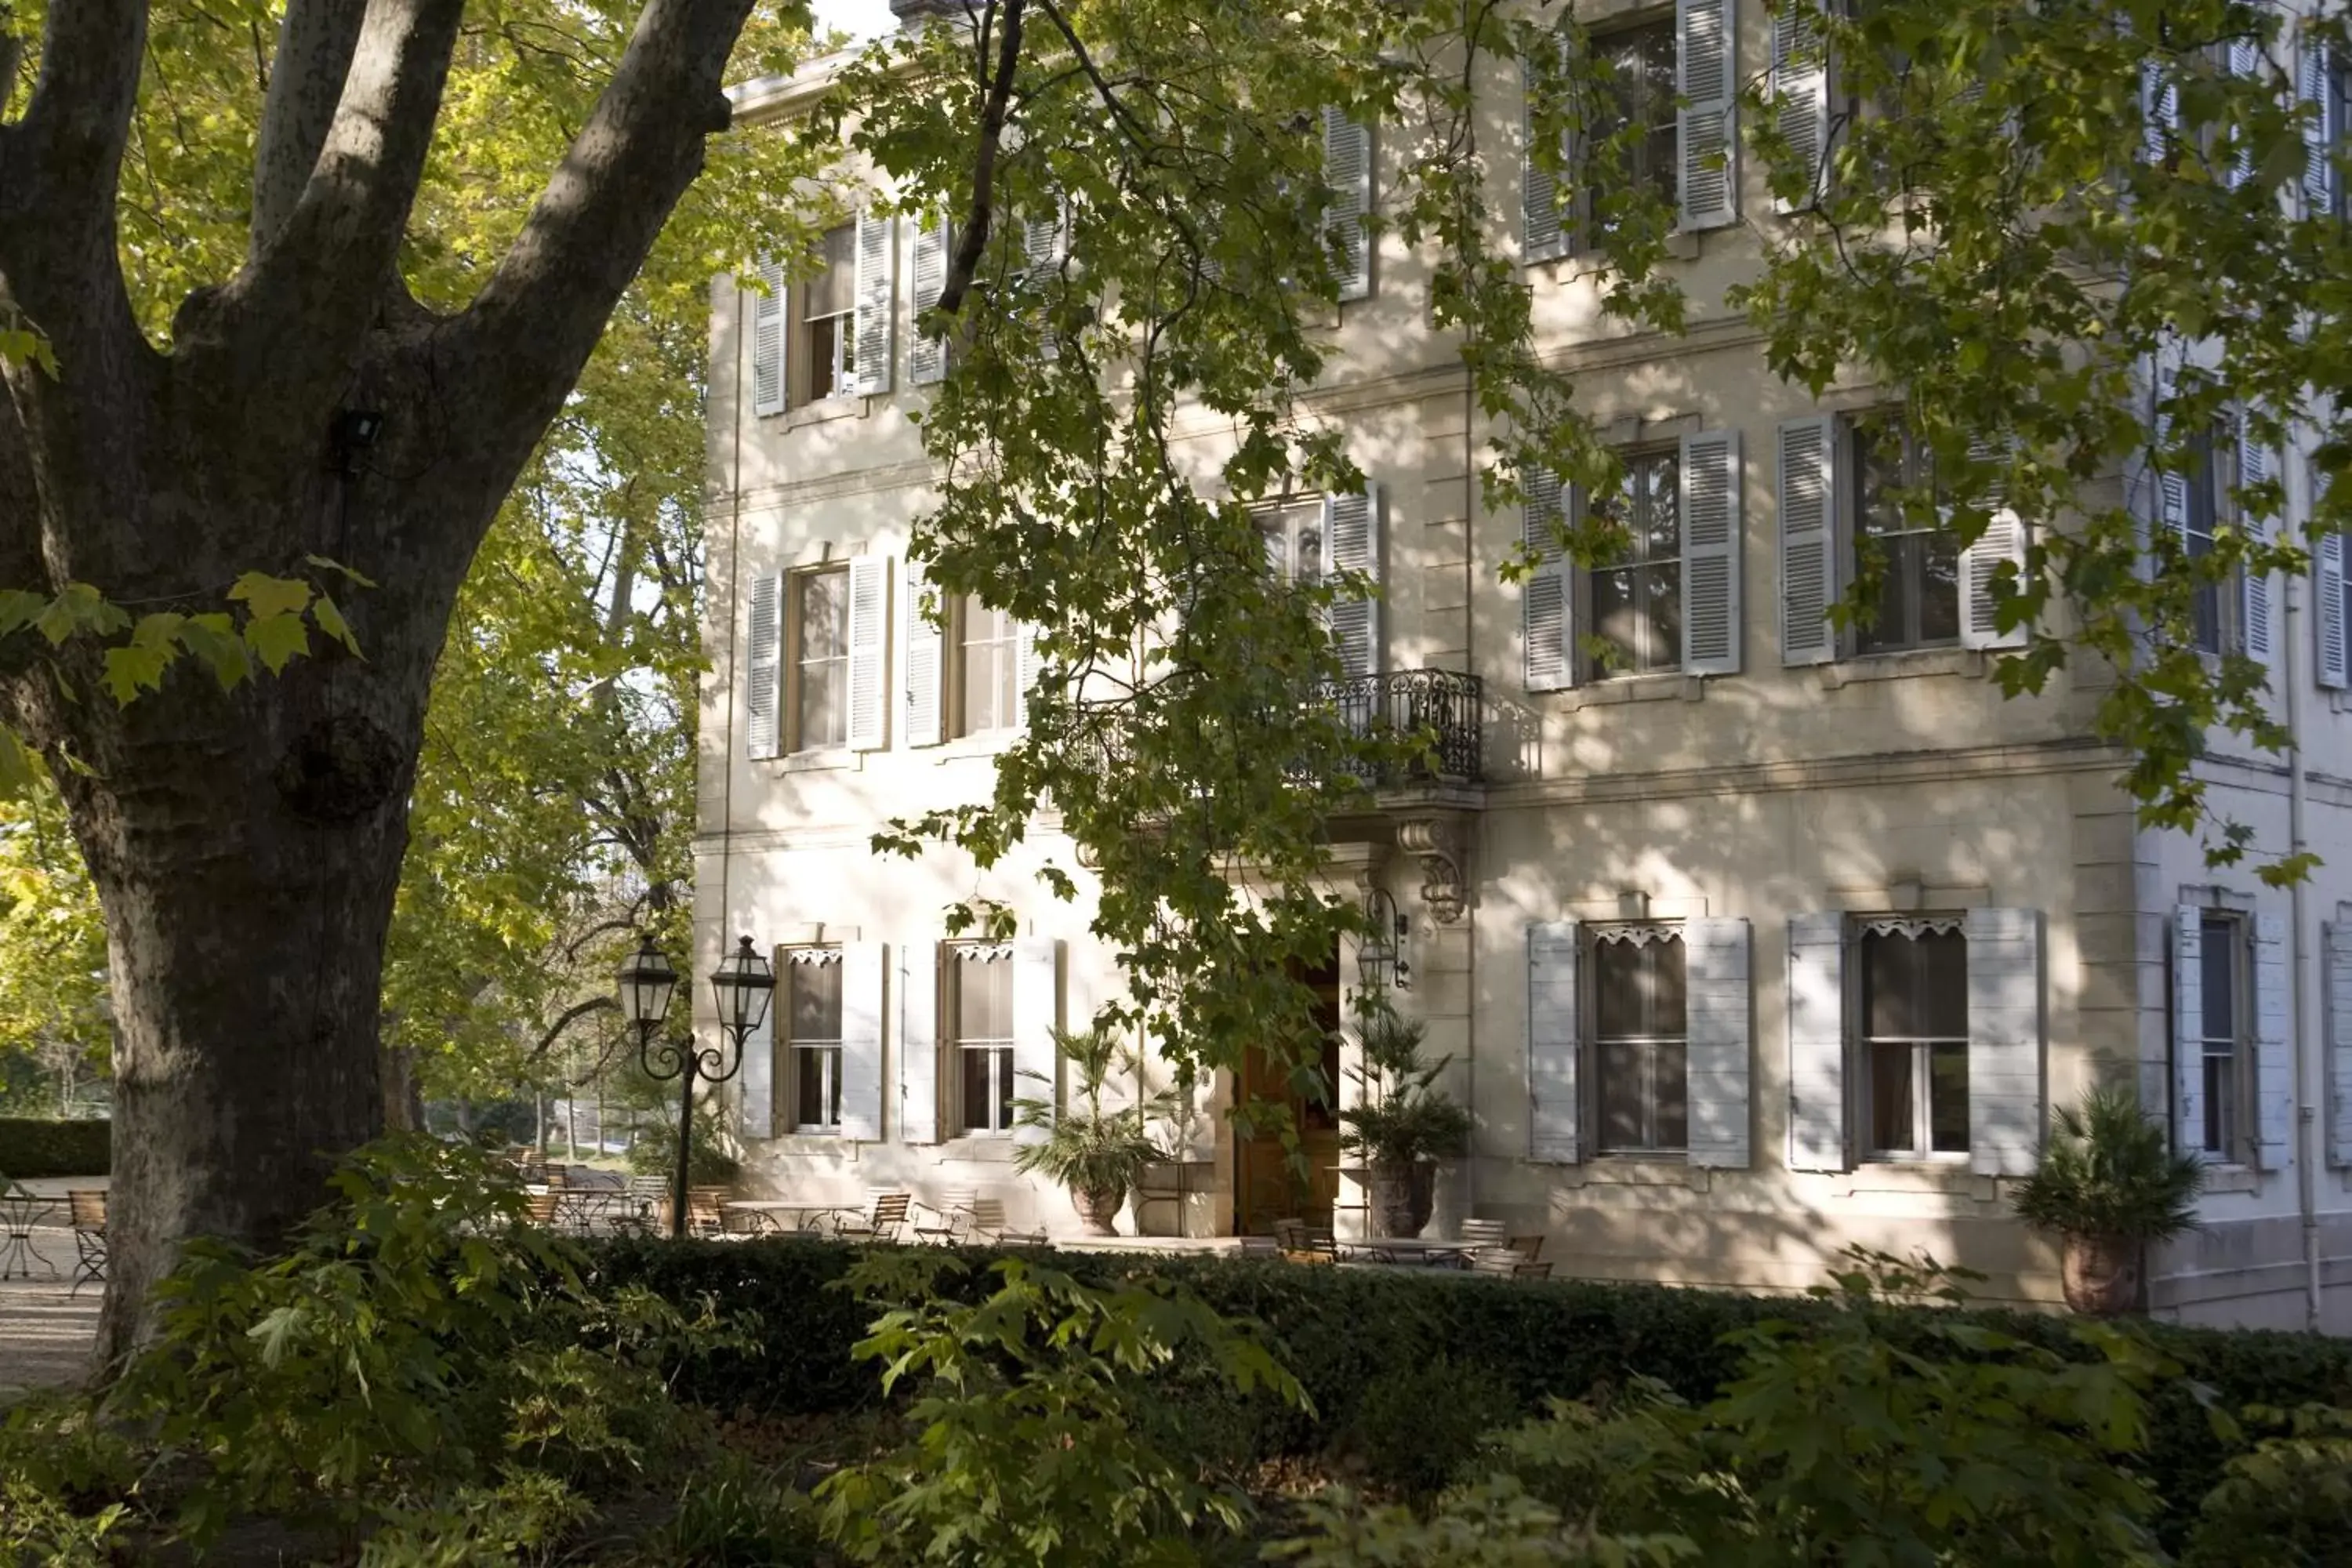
[1413,1428]
[2292,1493]
[30,1146]
[2110,1171]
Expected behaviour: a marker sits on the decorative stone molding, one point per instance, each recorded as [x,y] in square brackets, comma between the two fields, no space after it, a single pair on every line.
[1438,842]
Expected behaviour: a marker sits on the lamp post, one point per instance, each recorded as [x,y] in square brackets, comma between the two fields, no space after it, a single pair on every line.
[743,985]
[1379,960]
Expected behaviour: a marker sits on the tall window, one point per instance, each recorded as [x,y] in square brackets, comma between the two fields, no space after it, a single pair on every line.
[2222,1031]
[1640,94]
[813,1024]
[2339,94]
[980,1018]
[988,657]
[1641,1039]
[829,318]
[1294,541]
[2212,623]
[1910,570]
[1914,1009]
[1637,598]
[820,660]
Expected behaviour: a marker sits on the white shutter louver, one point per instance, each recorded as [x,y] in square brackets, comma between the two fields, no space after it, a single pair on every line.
[1546,607]
[768,342]
[1801,87]
[2327,623]
[1543,237]
[1351,543]
[757,1080]
[2159,111]
[2188,1027]
[926,274]
[2003,539]
[922,659]
[2254,587]
[2171,497]
[877,298]
[1817,1041]
[869,621]
[2335,942]
[861,1040]
[1809,539]
[1036,1013]
[2319,132]
[2246,63]
[1717,1019]
[1711,553]
[762,667]
[1025,674]
[2005,1095]
[1705,31]
[2274,1050]
[918,1043]
[1553,1119]
[1348,170]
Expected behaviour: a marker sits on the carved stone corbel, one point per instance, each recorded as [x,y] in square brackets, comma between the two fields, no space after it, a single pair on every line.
[1439,842]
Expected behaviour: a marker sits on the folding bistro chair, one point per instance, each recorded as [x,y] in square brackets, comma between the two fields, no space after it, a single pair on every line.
[947,1224]
[881,1224]
[988,1223]
[87,1209]
[1507,1264]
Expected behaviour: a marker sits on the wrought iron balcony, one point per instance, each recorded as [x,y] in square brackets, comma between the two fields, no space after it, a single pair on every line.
[1441,703]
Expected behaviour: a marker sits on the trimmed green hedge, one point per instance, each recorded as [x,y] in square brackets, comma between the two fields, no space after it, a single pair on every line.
[33,1147]
[1348,1334]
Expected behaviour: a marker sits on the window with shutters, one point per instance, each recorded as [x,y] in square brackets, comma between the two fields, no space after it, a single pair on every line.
[977,1036]
[816,673]
[1914,1036]
[1292,533]
[824,341]
[2224,1038]
[1641,1039]
[812,1043]
[1636,598]
[986,684]
[2338,117]
[1636,110]
[2213,473]
[1905,561]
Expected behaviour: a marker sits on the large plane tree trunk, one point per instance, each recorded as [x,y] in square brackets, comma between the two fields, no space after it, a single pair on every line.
[246,843]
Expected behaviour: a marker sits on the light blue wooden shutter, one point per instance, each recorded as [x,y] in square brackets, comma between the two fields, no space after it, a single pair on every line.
[1817,1139]
[2254,587]
[1706,32]
[758,1111]
[1351,543]
[861,1040]
[922,659]
[1801,89]
[1809,539]
[763,667]
[2334,670]
[927,274]
[1348,170]
[1036,1013]
[1546,605]
[869,653]
[1712,632]
[768,342]
[876,301]
[1553,1119]
[2005,1095]
[2003,540]
[1541,234]
[2273,1046]
[2336,940]
[918,1043]
[2319,132]
[1720,1019]
[2188,1027]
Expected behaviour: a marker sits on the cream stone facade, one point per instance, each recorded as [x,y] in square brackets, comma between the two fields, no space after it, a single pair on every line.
[1804,823]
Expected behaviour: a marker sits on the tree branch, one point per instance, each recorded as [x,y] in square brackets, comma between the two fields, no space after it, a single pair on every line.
[315,45]
[974,241]
[60,166]
[570,1017]
[521,344]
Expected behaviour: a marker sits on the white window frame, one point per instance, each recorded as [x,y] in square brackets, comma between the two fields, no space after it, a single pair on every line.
[1863,1055]
[1598,934]
[1292,521]
[1577,231]
[796,742]
[2238,1138]
[1003,1063]
[1849,547]
[1590,669]
[801,337]
[1008,647]
[789,961]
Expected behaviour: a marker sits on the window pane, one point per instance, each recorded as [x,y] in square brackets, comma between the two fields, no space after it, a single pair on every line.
[1943,971]
[823,356]
[818,1091]
[1938,592]
[815,1006]
[825,615]
[1891,1098]
[1878,470]
[983,1000]
[1620,1095]
[2218,949]
[1618,990]
[824,716]
[2221,1103]
[1889,986]
[1003,1089]
[834,291]
[1664,586]
[1670,1071]
[1948,1098]
[1658,490]
[1887,564]
[1617,621]
[976,1099]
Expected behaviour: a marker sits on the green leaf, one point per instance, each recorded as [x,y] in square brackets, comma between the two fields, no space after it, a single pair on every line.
[19,608]
[265,597]
[331,621]
[134,668]
[278,639]
[20,770]
[212,639]
[324,565]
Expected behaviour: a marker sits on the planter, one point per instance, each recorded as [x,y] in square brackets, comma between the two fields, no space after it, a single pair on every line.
[2101,1274]
[1100,1210]
[1403,1194]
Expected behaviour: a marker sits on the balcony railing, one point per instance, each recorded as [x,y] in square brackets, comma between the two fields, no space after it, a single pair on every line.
[1442,702]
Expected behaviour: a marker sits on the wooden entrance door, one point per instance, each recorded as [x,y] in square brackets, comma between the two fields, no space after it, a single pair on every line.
[1268,1184]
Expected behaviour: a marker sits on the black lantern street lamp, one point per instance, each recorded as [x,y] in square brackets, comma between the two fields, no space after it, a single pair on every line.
[647,981]
[1380,959]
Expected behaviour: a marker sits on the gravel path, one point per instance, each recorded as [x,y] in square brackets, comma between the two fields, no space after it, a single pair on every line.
[46,1334]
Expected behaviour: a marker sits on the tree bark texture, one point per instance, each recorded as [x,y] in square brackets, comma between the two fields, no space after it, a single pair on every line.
[246,843]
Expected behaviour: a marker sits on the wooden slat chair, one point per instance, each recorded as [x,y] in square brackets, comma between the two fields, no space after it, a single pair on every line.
[1261,1246]
[1478,1232]
[704,1214]
[988,1223]
[951,1222]
[1504,1262]
[86,1209]
[736,1220]
[1527,1247]
[1302,1243]
[879,1224]
[545,1209]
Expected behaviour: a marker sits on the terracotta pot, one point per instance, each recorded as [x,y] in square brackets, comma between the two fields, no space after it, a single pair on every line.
[2100,1275]
[1100,1210]
[1403,1194]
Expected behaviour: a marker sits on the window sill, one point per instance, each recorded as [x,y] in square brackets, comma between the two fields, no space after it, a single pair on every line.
[2231,1179]
[1665,686]
[1925,661]
[855,405]
[986,744]
[1945,1178]
[829,759]
[1681,245]
[982,1146]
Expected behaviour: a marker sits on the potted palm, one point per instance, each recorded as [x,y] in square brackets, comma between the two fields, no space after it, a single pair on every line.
[1405,1126]
[2108,1184]
[1098,1154]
